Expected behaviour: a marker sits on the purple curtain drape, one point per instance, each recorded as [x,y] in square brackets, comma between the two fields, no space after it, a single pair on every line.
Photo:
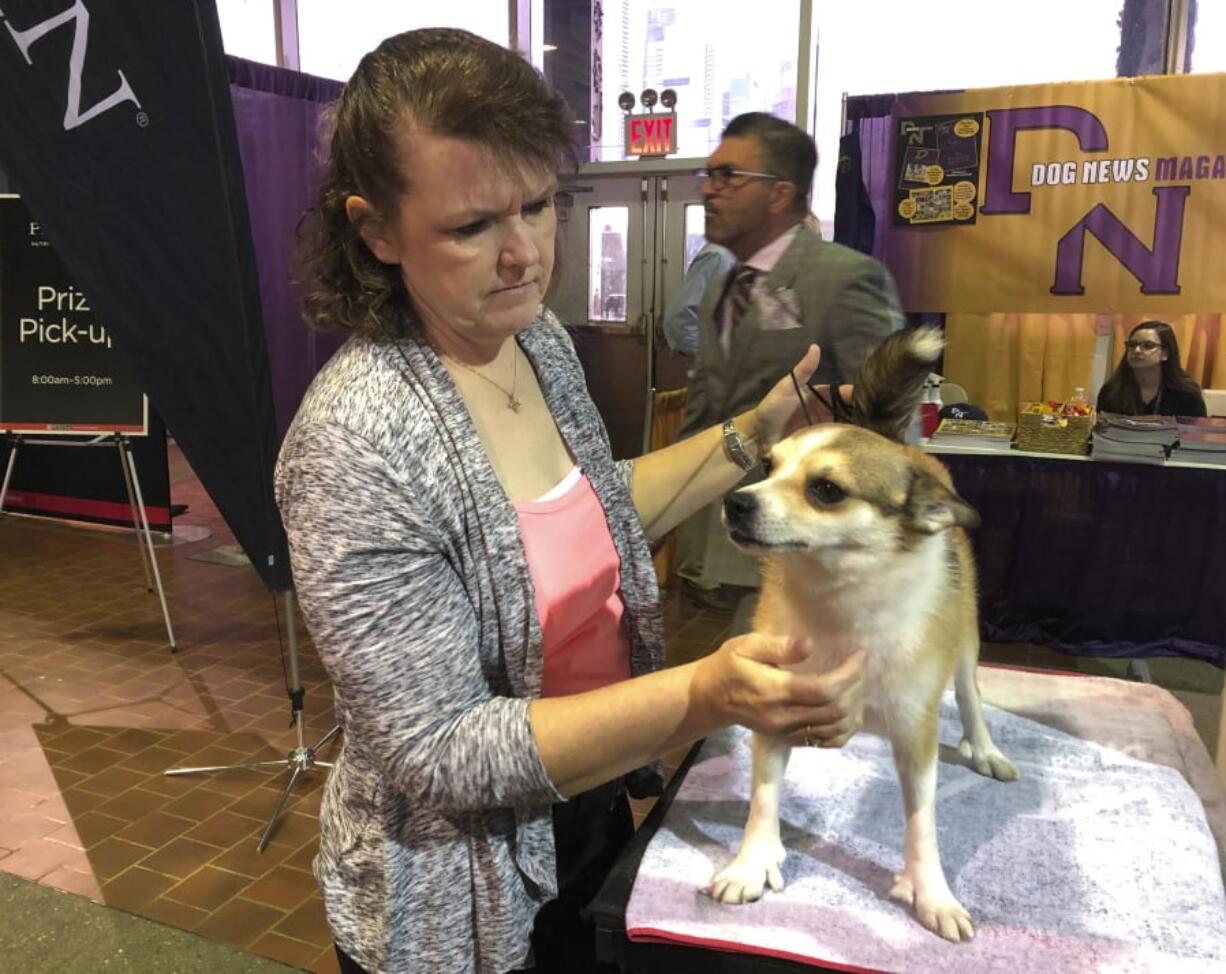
[277,113]
[876,166]
[871,120]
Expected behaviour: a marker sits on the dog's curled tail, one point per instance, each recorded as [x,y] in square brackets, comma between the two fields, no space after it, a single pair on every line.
[891,382]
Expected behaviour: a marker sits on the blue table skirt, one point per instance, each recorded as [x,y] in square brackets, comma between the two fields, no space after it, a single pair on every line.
[1096,558]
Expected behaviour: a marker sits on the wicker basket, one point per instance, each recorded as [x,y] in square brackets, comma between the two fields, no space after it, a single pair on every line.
[1054,434]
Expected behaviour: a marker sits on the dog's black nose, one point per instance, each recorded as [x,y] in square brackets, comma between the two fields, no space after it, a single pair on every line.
[739,506]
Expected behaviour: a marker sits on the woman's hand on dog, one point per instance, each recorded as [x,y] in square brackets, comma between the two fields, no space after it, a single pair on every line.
[746,681]
[781,413]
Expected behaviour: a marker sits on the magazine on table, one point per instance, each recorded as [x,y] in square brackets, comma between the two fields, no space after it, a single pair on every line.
[1206,424]
[1202,440]
[1136,429]
[979,433]
[1125,451]
[1201,445]
[1215,457]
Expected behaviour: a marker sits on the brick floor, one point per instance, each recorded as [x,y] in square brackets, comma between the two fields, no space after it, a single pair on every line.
[94,707]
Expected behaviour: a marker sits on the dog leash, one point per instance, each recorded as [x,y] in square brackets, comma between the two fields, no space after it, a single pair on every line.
[801,396]
[839,410]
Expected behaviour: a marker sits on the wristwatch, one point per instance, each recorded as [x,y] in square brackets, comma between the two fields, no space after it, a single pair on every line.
[734,447]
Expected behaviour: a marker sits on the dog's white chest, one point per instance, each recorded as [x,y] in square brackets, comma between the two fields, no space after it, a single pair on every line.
[892,634]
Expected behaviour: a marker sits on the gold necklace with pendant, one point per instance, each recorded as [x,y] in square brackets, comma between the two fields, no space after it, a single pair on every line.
[513,402]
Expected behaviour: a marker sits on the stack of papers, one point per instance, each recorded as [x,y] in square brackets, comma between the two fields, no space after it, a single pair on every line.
[1134,439]
[1201,440]
[978,433]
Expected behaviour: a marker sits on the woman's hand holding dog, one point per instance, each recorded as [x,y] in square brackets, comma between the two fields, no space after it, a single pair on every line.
[749,681]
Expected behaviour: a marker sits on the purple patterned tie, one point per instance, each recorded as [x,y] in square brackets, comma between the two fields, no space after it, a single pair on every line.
[739,293]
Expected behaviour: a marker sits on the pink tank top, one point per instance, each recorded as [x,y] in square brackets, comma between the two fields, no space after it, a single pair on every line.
[577,576]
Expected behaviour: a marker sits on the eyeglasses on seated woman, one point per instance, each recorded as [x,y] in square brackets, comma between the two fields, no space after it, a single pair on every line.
[1149,378]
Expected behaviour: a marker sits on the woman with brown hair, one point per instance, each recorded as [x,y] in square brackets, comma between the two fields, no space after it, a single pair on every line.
[1150,379]
[472,564]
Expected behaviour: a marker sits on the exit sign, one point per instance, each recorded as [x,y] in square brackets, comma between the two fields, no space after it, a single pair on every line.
[651,135]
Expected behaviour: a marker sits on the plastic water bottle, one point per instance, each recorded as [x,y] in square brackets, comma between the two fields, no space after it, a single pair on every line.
[1078,404]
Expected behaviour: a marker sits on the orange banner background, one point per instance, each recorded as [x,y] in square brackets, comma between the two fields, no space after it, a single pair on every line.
[1006,262]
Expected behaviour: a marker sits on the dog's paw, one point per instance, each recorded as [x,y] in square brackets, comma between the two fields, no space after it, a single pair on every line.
[938,911]
[988,761]
[744,880]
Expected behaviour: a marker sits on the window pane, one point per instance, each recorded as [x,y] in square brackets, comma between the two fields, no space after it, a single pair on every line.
[719,66]
[861,54]
[248,29]
[332,37]
[1207,36]
[608,232]
[695,231]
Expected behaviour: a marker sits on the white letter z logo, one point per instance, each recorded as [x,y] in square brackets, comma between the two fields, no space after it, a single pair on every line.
[77,14]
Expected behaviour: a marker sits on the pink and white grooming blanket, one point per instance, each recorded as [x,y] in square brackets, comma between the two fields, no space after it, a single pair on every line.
[1103,857]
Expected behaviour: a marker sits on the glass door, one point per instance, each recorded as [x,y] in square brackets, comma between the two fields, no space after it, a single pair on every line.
[625,240]
[605,230]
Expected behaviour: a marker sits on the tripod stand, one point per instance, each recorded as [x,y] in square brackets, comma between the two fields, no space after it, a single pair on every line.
[299,760]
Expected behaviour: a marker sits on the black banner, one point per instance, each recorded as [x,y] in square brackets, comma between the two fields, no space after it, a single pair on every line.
[116,128]
[58,370]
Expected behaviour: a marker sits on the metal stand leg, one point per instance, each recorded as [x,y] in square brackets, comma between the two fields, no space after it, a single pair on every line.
[127,482]
[8,473]
[147,536]
[302,758]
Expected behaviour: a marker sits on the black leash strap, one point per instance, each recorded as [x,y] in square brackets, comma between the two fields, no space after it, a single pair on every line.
[801,396]
[838,406]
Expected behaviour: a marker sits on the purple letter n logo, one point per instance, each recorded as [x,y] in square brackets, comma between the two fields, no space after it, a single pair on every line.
[1157,269]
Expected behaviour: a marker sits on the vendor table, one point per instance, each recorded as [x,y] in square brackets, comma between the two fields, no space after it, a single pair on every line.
[1098,558]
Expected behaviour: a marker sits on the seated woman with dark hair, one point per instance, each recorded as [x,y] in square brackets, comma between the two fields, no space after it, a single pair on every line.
[1150,379]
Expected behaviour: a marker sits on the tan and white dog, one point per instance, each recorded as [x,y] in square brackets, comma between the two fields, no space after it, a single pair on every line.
[863,547]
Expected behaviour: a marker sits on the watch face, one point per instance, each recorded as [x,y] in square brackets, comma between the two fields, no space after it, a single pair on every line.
[735,448]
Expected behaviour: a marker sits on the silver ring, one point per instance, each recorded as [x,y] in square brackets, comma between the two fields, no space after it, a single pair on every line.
[809,739]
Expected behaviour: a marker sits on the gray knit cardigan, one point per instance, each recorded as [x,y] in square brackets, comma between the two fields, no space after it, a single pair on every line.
[436,842]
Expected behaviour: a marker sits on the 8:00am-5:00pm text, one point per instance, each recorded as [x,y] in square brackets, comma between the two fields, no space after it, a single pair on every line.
[71,380]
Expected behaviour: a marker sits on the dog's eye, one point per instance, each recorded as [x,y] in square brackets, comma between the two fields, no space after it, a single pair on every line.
[825,492]
[766,465]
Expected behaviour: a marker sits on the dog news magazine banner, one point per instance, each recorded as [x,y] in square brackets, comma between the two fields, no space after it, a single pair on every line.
[59,371]
[1081,197]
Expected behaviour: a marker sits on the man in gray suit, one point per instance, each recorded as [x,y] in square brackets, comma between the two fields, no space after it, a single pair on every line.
[787,290]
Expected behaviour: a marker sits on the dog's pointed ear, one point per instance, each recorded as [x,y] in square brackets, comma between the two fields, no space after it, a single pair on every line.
[933,507]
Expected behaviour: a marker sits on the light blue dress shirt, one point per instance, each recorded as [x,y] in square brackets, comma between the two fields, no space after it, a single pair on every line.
[712,263]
